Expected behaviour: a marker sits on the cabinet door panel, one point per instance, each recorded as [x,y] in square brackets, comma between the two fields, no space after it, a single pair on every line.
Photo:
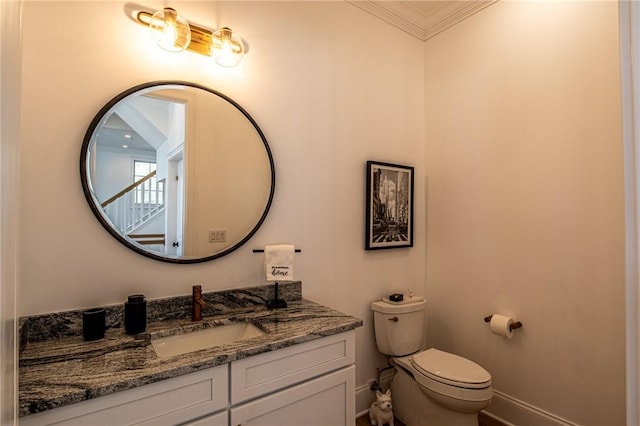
[325,401]
[261,374]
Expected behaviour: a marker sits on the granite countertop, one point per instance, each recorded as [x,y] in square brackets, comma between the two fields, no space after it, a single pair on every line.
[66,370]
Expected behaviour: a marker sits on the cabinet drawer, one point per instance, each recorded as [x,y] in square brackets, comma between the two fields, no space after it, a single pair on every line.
[268,372]
[167,402]
[326,400]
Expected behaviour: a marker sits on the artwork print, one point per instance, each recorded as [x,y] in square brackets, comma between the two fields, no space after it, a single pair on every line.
[389,211]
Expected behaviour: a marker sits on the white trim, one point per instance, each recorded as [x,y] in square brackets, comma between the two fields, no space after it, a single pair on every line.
[504,406]
[363,400]
[365,396]
[422,24]
[496,418]
[629,22]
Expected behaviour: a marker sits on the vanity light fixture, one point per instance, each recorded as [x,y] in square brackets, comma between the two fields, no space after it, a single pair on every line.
[227,48]
[170,30]
[174,33]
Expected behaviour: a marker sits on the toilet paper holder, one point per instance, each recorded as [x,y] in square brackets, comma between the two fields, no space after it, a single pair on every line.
[512,327]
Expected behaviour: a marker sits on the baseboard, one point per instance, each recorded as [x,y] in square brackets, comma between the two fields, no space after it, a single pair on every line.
[512,411]
[365,396]
[505,409]
[486,418]
[363,400]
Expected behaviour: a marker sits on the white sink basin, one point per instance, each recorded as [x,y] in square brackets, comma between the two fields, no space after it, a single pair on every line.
[203,339]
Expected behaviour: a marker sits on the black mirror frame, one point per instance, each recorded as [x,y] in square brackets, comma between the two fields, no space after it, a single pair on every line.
[88,193]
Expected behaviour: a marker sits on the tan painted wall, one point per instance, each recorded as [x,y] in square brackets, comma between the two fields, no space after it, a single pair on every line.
[525,203]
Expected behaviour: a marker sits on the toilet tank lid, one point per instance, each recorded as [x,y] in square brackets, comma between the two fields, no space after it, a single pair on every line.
[396,308]
[450,368]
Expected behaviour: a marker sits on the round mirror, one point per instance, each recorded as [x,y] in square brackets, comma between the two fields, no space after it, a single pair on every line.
[177,172]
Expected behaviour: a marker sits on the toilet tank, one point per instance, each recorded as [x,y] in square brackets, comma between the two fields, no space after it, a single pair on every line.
[399,328]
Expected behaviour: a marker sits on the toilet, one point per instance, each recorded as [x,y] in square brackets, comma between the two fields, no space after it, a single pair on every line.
[430,387]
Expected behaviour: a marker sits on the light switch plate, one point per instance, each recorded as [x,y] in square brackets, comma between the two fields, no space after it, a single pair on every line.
[217,235]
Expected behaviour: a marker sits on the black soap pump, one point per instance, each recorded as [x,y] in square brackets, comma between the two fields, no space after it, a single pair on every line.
[135,314]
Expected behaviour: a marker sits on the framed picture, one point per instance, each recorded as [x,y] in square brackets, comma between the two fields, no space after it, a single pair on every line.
[389,206]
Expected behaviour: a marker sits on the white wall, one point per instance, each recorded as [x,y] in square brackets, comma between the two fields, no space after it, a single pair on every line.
[330,86]
[114,171]
[525,205]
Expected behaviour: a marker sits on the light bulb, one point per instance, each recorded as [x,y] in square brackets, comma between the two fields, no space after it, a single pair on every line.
[170,30]
[227,48]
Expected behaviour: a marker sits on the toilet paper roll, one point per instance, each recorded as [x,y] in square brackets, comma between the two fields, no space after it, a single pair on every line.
[501,325]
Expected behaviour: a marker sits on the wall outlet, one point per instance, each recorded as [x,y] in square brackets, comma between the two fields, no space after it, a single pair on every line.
[217,235]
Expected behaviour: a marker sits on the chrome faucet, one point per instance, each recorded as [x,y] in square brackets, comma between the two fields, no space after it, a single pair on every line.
[197,304]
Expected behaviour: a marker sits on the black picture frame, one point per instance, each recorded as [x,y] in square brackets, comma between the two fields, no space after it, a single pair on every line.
[389,209]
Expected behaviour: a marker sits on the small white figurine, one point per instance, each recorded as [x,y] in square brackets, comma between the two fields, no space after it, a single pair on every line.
[381,412]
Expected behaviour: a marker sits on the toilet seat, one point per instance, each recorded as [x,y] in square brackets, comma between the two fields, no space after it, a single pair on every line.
[450,369]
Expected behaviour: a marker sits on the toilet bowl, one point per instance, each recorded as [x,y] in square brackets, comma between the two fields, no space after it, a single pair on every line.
[430,387]
[451,380]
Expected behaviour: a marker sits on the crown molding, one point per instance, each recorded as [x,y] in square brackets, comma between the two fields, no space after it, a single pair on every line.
[423,19]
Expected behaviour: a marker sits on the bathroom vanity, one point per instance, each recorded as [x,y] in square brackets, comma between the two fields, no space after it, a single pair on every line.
[299,371]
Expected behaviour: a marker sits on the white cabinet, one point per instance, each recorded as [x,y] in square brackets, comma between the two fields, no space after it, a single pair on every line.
[265,373]
[220,419]
[167,402]
[328,400]
[311,384]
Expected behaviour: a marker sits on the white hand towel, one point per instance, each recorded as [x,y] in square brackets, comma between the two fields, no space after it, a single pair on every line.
[278,262]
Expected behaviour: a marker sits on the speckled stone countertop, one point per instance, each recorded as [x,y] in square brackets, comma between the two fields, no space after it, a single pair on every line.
[58,368]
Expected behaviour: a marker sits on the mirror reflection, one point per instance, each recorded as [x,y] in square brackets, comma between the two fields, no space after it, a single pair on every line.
[177,172]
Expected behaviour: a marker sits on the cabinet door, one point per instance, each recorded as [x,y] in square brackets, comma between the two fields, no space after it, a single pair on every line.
[269,372]
[325,401]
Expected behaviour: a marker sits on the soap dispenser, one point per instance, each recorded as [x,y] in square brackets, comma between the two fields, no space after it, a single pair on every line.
[135,314]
